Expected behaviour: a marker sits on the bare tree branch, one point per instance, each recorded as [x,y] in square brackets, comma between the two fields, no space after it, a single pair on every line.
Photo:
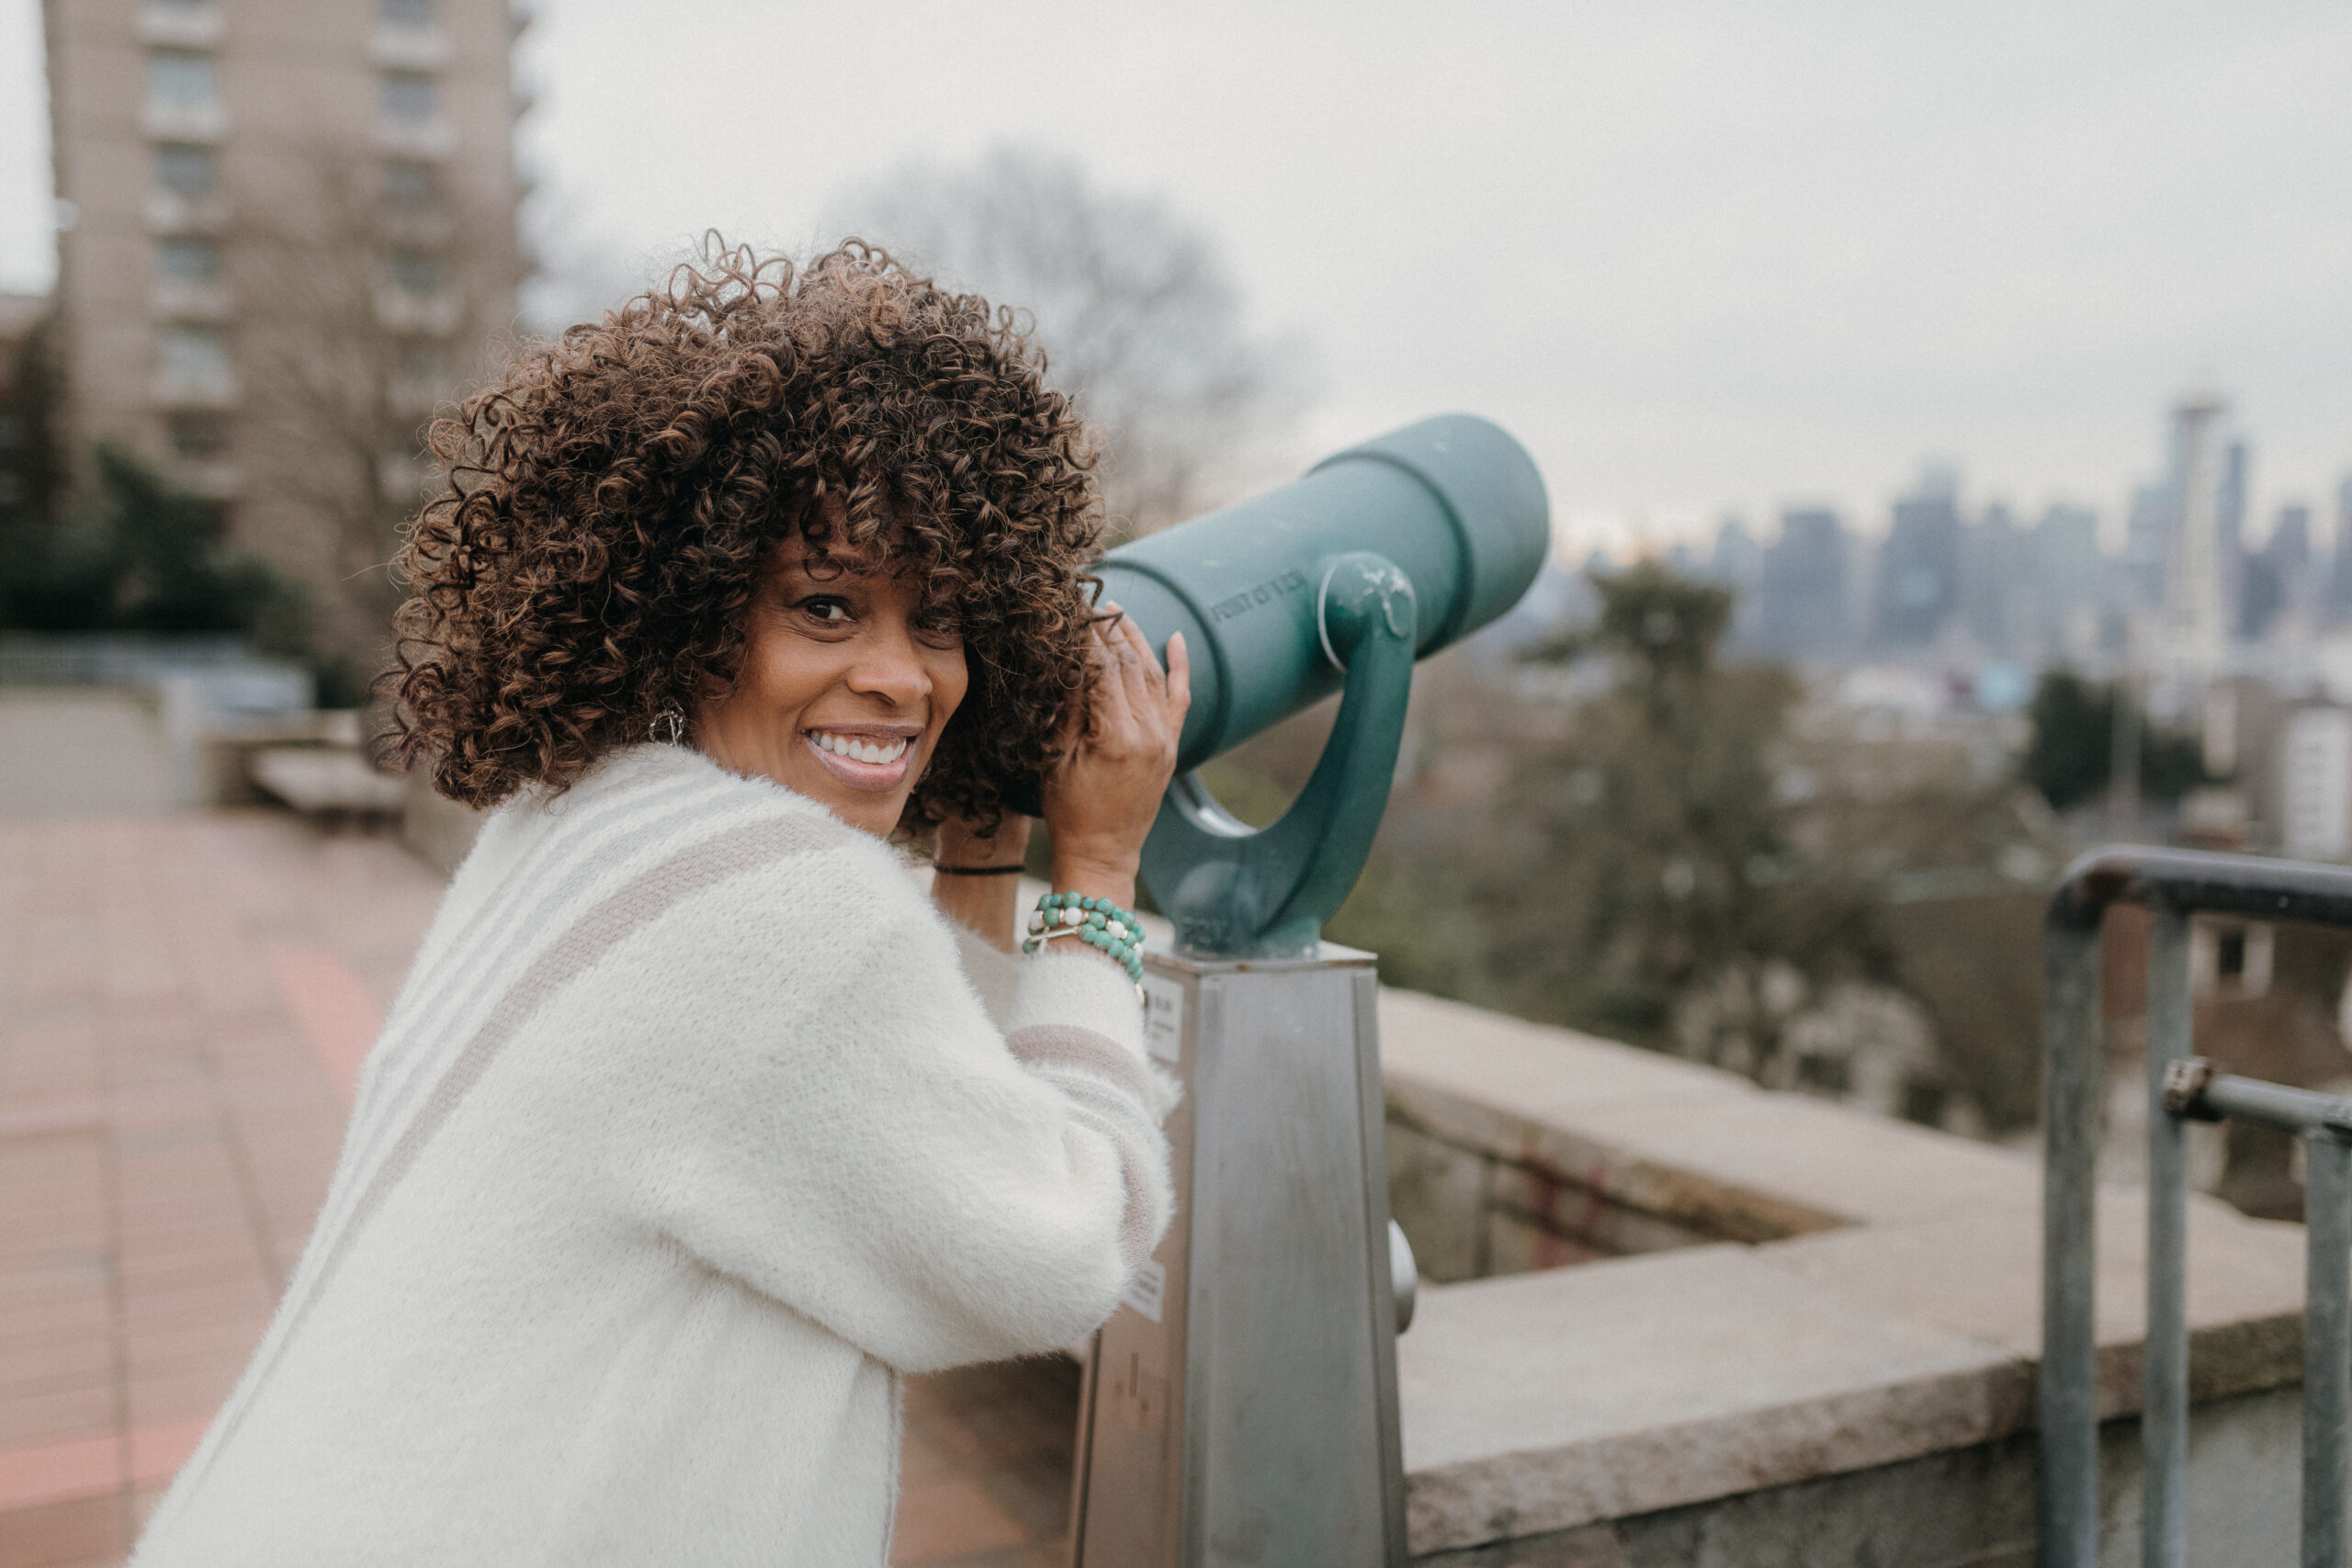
[1142,325]
[373,309]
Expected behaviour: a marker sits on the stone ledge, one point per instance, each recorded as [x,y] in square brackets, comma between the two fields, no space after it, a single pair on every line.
[1901,1321]
[1691,1145]
[1546,1401]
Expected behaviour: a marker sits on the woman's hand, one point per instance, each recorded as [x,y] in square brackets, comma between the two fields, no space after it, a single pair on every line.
[1101,801]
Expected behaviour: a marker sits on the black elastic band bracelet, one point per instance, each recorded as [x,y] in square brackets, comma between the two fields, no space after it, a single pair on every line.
[979,870]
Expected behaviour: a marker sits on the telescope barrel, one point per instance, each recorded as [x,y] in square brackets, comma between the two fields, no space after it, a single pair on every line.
[1454,502]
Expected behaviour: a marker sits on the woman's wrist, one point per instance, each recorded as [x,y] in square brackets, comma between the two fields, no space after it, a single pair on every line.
[957,844]
[988,906]
[1096,879]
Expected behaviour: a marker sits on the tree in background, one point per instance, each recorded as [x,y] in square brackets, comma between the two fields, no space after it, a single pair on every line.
[2070,759]
[386,295]
[1626,835]
[1674,905]
[1131,302]
[136,555]
[32,457]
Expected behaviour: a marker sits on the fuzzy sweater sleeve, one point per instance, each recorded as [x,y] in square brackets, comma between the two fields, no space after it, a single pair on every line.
[856,1137]
[995,975]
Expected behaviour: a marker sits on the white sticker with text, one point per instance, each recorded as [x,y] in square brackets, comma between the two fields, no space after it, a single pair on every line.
[1163,1018]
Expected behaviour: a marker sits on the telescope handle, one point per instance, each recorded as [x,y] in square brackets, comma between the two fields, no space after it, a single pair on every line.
[1235,891]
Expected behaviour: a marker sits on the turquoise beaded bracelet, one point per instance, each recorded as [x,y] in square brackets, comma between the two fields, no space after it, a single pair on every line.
[1097,922]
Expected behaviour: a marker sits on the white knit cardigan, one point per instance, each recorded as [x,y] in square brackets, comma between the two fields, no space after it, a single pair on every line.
[688,1133]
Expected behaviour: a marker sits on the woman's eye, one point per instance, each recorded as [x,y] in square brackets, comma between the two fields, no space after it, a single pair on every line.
[826,610]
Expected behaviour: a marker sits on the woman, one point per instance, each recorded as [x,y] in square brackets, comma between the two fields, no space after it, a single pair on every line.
[695,1123]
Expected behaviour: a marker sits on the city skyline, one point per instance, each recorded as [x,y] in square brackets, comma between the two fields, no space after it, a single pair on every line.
[1702,262]
[2324,511]
[2187,582]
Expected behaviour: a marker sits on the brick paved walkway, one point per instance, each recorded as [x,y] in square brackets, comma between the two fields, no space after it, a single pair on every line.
[183,1005]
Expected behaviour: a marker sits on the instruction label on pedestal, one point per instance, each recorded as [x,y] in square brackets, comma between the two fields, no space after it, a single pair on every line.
[1163,1018]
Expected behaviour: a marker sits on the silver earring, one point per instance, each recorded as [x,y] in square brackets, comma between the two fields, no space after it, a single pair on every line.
[669,726]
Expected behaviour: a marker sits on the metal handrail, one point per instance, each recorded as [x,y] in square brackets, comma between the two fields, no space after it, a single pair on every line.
[2174,884]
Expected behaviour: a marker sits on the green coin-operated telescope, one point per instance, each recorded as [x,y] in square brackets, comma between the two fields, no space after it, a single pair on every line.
[1241,1403]
[1381,555]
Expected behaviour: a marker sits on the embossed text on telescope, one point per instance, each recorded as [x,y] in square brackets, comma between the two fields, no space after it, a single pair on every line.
[1250,598]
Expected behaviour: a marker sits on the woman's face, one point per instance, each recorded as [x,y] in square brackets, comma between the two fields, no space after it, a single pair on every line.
[843,695]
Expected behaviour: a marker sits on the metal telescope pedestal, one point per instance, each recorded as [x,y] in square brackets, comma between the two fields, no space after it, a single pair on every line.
[1241,1403]
[1240,1406]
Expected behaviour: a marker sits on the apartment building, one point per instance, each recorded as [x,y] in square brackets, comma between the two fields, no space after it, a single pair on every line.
[287,230]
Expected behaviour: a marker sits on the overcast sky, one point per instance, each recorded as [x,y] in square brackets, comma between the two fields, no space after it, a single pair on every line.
[1701,257]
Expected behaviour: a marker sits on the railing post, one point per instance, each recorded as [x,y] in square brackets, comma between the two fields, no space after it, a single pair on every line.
[2068,1390]
[2164,1404]
[2173,884]
[2328,1345]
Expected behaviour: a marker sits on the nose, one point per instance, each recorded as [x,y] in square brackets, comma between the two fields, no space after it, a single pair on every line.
[889,663]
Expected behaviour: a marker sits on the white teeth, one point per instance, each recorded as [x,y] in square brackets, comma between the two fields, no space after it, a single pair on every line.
[861,750]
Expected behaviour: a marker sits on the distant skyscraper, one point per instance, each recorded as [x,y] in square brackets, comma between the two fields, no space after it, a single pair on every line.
[1992,580]
[2148,545]
[1738,564]
[2316,783]
[1803,598]
[2229,526]
[2066,569]
[2278,578]
[1919,568]
[2336,599]
[2194,624]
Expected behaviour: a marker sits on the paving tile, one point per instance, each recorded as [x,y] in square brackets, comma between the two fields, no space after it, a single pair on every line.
[159,1448]
[85,1350]
[60,1319]
[920,1459]
[37,1418]
[949,1517]
[1007,1430]
[146,1279]
[52,1536]
[193,1345]
[63,1378]
[177,1396]
[57,1473]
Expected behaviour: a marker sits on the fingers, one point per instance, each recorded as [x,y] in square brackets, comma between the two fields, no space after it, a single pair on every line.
[1179,676]
[1136,665]
[1133,666]
[1138,709]
[1113,713]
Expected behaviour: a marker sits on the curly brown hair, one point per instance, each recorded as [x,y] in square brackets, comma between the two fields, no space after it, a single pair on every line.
[612,497]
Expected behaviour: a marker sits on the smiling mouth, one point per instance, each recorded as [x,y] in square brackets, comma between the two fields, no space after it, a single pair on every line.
[862,762]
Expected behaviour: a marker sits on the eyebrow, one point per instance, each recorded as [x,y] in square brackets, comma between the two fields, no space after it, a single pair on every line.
[830,567]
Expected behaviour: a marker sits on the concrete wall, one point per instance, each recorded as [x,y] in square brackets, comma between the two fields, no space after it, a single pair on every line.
[1969,1508]
[1795,1334]
[1471,1213]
